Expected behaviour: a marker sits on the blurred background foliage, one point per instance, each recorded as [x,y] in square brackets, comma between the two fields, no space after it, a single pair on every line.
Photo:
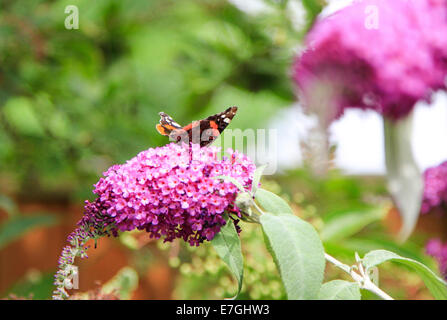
[74,102]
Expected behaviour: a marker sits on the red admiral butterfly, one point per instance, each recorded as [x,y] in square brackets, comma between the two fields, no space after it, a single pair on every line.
[203,131]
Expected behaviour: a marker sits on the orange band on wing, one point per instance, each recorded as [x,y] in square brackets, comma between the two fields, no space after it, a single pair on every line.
[162,130]
[191,125]
[214,125]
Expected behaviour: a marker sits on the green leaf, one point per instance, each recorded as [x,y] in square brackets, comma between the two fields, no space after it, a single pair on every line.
[272,203]
[228,246]
[375,241]
[298,254]
[128,240]
[33,285]
[349,223]
[15,227]
[256,178]
[313,8]
[8,205]
[233,181]
[405,182]
[435,284]
[125,282]
[339,290]
[19,112]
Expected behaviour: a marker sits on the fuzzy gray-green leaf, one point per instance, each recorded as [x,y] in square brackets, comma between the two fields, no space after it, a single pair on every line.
[298,254]
[435,284]
[256,178]
[339,290]
[272,203]
[228,246]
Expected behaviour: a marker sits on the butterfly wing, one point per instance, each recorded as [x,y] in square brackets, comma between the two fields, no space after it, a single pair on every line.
[166,125]
[208,129]
[221,120]
[213,126]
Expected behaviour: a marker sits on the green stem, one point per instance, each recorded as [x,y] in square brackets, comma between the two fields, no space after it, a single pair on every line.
[363,281]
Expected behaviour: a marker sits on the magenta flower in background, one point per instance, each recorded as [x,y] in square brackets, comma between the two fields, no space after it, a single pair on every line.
[171,192]
[438,250]
[435,188]
[375,54]
[435,200]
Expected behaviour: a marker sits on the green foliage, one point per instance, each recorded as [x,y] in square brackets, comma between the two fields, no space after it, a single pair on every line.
[346,224]
[298,253]
[256,178]
[34,285]
[373,241]
[313,8]
[73,102]
[8,205]
[204,275]
[326,201]
[339,290]
[436,285]
[228,246]
[331,194]
[272,203]
[123,283]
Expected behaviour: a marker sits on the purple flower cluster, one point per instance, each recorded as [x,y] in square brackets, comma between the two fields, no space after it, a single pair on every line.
[66,268]
[435,189]
[376,54]
[171,192]
[438,250]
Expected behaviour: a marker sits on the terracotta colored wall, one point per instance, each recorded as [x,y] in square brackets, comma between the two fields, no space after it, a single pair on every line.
[39,249]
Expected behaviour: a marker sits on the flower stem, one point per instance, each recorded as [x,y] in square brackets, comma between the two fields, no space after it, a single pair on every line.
[67,269]
[257,207]
[77,247]
[363,280]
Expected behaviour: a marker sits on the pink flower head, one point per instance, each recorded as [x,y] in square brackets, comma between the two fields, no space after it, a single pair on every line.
[438,250]
[178,200]
[435,188]
[383,55]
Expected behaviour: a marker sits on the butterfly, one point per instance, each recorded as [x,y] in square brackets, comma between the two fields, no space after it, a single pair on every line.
[202,132]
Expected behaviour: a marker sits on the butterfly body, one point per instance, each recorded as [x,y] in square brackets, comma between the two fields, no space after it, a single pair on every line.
[202,132]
